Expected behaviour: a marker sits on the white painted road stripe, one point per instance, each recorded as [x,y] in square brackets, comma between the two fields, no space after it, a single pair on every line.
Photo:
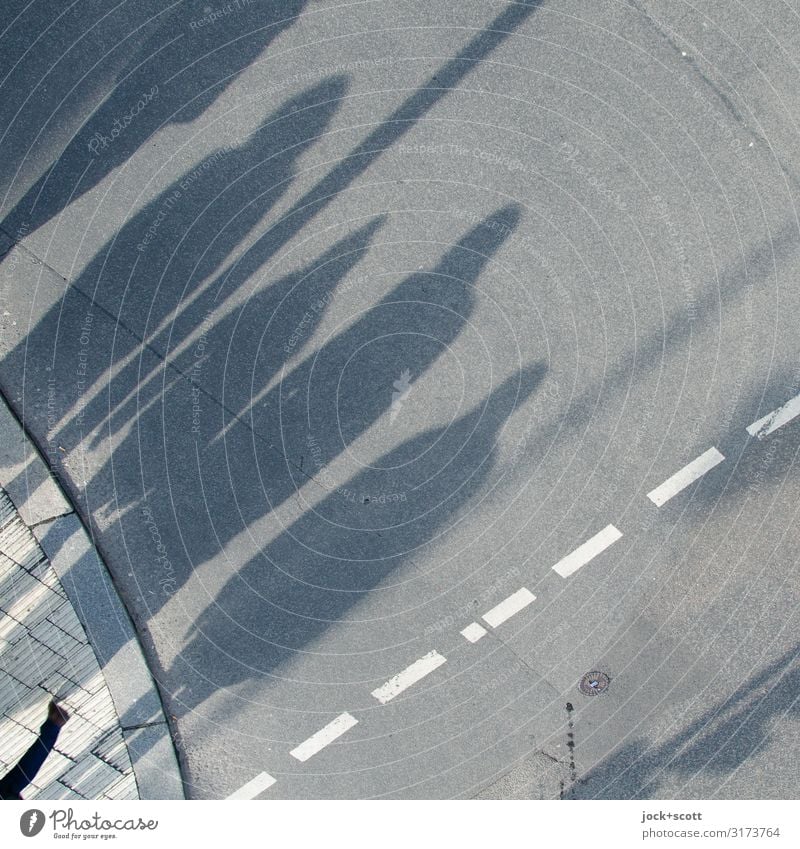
[254,787]
[775,419]
[588,551]
[474,632]
[686,476]
[506,609]
[323,737]
[403,680]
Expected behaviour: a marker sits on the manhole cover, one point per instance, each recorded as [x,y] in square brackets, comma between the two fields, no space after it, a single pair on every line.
[593,683]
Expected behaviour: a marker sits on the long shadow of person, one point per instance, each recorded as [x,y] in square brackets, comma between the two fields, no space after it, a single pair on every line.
[397,124]
[336,393]
[350,167]
[143,284]
[204,496]
[204,492]
[333,556]
[387,132]
[154,267]
[176,74]
[235,344]
[211,475]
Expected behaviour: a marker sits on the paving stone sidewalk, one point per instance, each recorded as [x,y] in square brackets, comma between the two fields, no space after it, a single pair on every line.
[45,650]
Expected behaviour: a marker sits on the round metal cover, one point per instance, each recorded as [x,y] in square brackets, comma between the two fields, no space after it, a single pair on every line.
[593,683]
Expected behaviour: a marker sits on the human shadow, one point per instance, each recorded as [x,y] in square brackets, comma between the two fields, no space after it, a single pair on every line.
[720,741]
[244,341]
[214,473]
[424,314]
[390,130]
[123,480]
[116,264]
[154,268]
[395,126]
[333,556]
[205,490]
[185,63]
[146,281]
[413,325]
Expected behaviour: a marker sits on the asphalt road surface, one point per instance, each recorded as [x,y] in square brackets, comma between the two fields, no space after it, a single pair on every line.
[344,323]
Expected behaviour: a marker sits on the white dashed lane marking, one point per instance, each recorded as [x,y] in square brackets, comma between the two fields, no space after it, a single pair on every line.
[522,598]
[254,787]
[403,680]
[686,476]
[316,742]
[506,609]
[473,632]
[777,418]
[588,551]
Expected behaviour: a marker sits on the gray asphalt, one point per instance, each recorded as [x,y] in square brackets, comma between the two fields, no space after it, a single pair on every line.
[341,322]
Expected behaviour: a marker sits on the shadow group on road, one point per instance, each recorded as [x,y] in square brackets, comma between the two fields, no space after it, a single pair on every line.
[168,360]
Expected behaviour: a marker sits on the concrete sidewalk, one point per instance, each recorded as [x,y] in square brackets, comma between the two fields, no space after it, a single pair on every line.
[60,626]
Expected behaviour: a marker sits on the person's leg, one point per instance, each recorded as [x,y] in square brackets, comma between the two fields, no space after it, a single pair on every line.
[12,784]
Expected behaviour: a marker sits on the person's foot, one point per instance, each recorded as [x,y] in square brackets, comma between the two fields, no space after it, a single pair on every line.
[57,714]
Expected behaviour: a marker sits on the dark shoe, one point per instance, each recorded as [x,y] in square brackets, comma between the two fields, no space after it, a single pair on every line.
[57,714]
